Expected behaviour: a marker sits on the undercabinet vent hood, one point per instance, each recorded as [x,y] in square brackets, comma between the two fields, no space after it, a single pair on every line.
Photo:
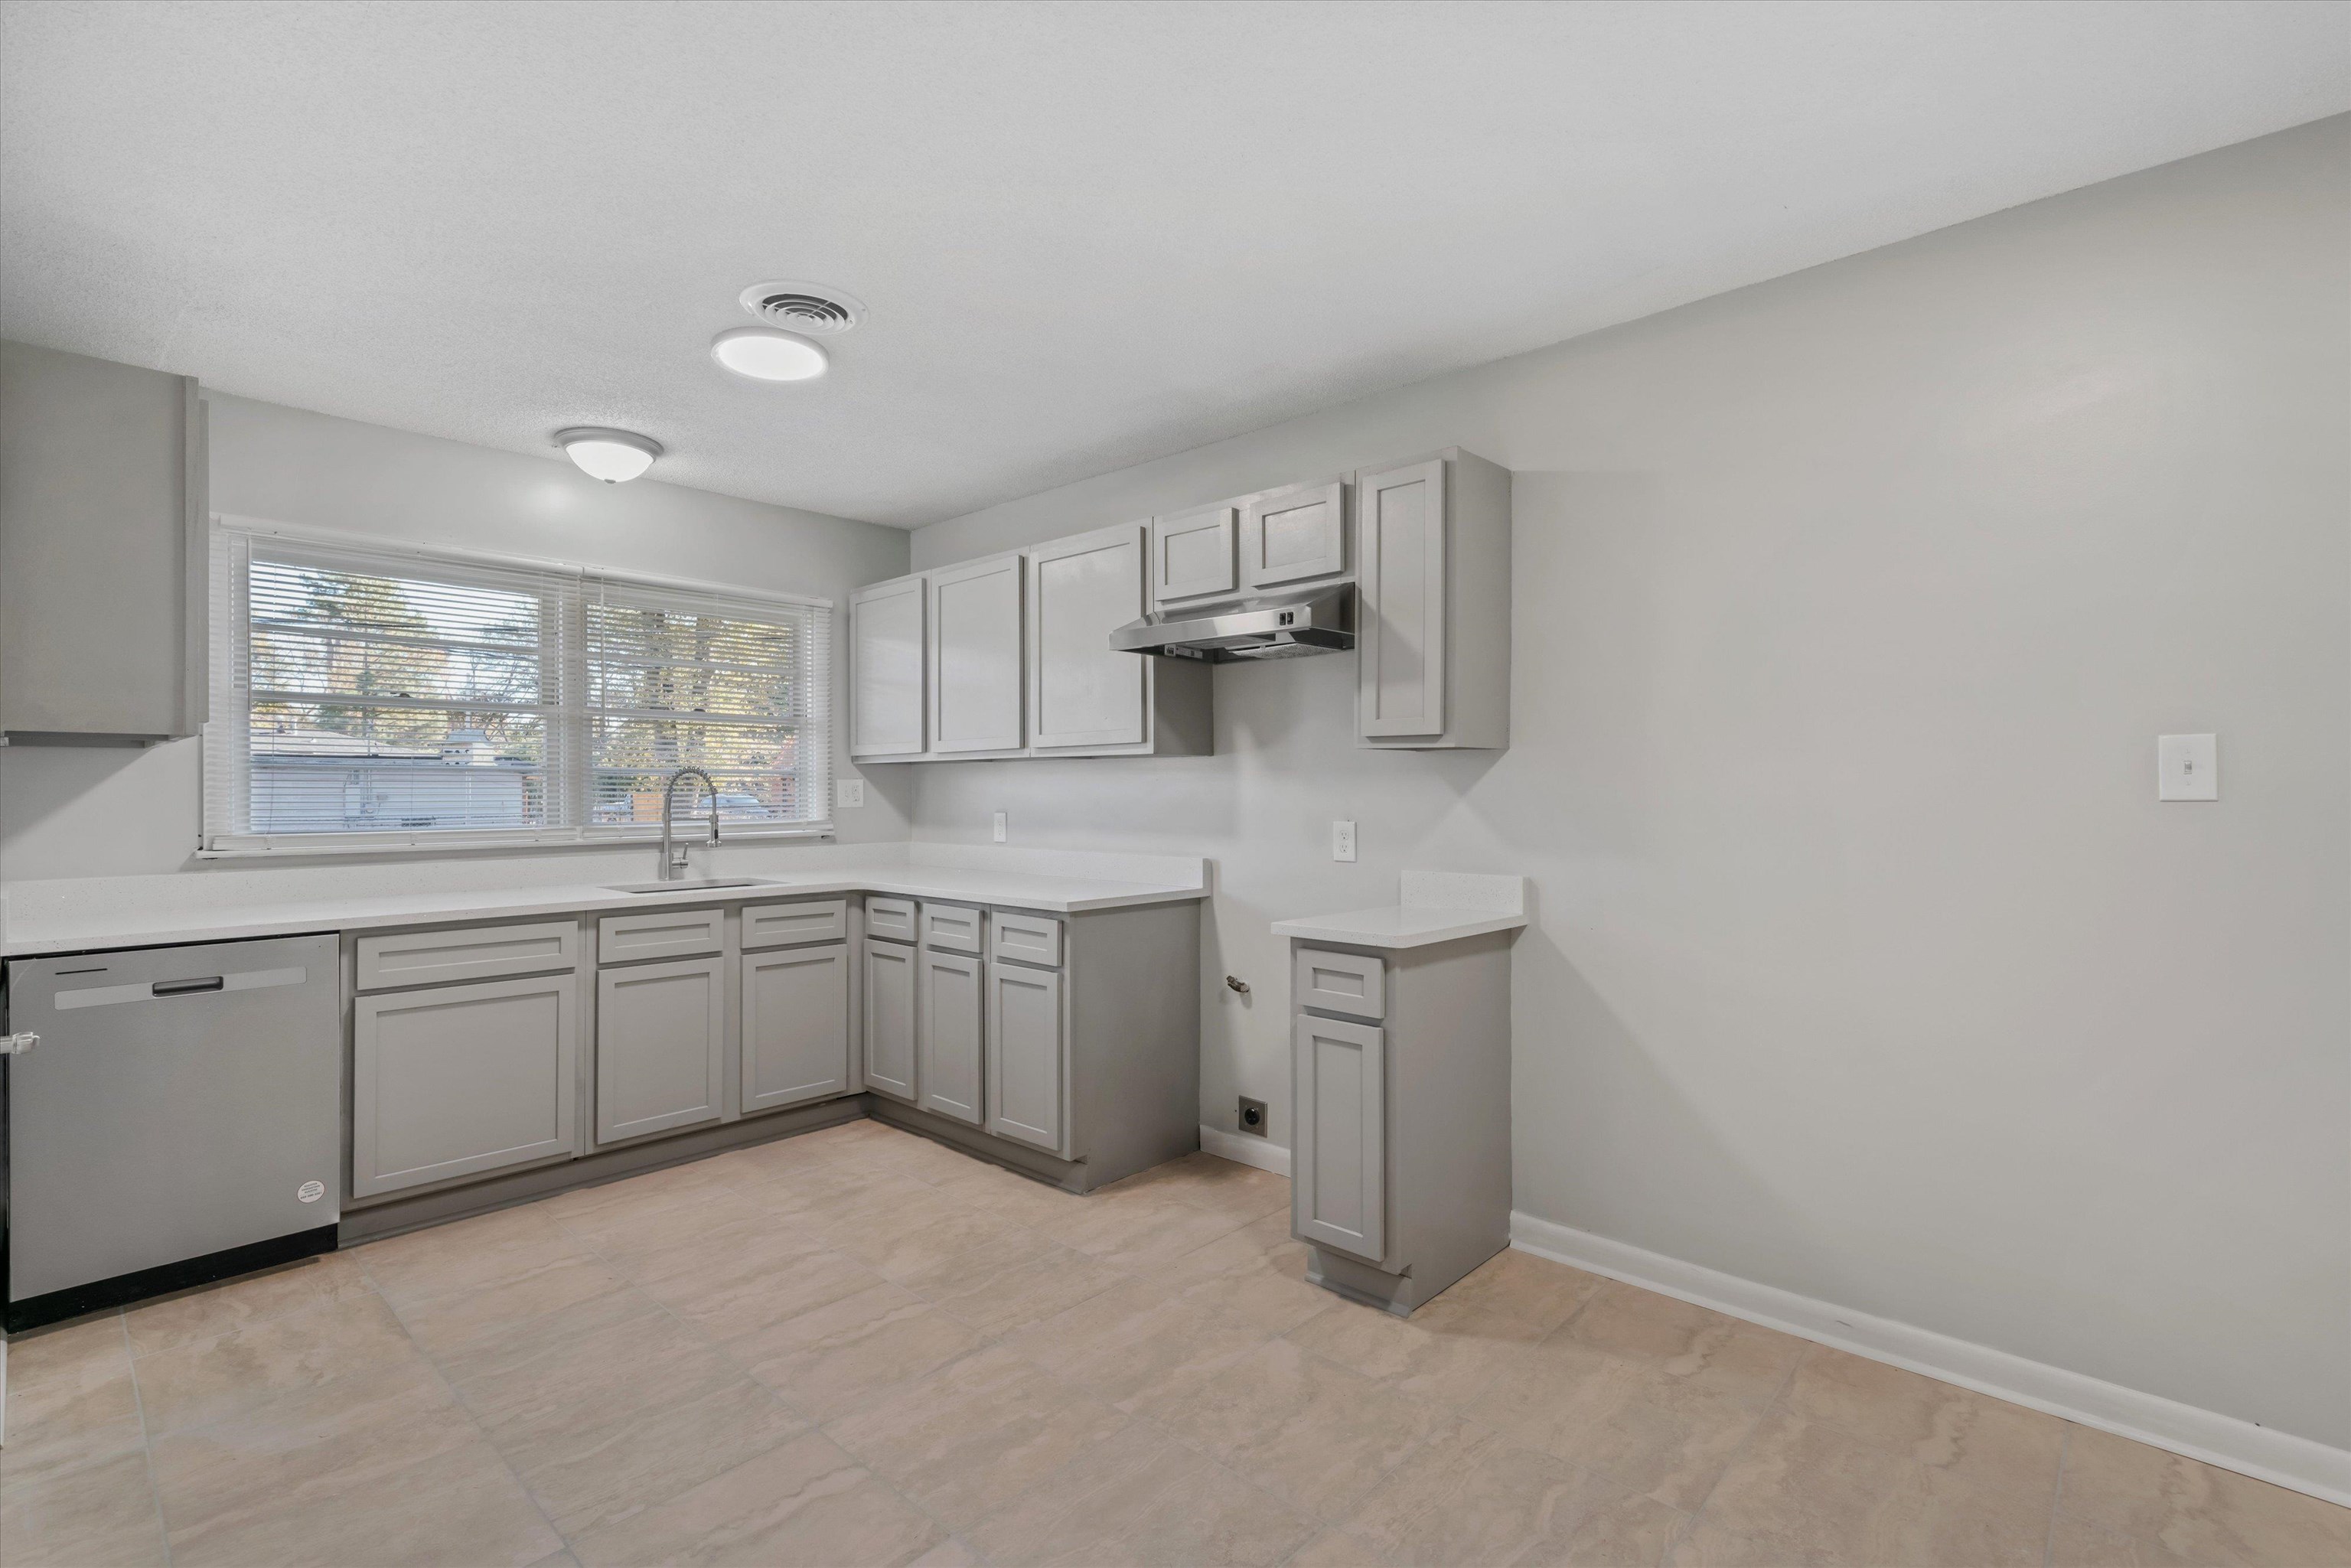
[1277,626]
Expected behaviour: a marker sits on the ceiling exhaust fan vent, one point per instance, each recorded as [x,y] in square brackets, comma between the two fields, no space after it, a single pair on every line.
[808,308]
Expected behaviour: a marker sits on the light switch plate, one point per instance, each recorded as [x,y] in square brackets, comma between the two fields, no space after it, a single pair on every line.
[997,828]
[1343,840]
[2187,767]
[849,791]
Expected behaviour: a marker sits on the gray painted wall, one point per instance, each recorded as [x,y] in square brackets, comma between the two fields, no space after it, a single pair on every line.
[76,811]
[1848,609]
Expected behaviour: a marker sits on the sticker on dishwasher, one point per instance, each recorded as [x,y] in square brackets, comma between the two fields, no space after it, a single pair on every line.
[312,1191]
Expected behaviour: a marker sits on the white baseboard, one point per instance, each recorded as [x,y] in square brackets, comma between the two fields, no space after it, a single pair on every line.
[2232,1444]
[1246,1149]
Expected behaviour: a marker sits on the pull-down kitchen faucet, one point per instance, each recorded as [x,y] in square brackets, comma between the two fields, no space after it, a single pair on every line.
[673,861]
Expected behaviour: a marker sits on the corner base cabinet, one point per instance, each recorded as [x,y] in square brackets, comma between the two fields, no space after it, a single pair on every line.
[1400,1074]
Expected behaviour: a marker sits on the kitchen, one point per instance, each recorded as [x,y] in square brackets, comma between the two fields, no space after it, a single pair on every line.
[741,903]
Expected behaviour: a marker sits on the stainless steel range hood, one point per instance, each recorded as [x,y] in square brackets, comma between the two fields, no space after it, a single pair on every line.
[1277,626]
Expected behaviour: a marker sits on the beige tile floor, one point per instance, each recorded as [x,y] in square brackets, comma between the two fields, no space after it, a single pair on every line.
[858,1347]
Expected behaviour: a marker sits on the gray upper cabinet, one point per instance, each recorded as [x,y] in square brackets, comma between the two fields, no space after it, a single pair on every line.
[1339,1145]
[661,1047]
[1294,536]
[460,1080]
[951,1033]
[890,1018]
[1028,1069]
[795,1026]
[1432,616]
[1082,694]
[1196,555]
[102,500]
[975,658]
[889,711]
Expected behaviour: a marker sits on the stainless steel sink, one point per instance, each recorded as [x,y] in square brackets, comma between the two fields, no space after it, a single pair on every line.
[693,884]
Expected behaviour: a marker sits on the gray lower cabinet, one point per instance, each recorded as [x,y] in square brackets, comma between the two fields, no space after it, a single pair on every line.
[1027,1066]
[795,1026]
[661,1047]
[890,1013]
[951,1027]
[459,1081]
[1339,1147]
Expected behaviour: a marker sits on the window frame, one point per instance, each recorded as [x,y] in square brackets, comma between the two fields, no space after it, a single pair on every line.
[223,829]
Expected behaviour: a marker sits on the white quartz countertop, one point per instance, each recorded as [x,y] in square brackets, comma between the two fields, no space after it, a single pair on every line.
[1431,907]
[82,919]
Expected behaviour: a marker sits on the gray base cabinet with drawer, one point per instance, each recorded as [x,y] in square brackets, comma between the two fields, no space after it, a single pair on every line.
[661,1047]
[795,1026]
[458,1081]
[1400,1075]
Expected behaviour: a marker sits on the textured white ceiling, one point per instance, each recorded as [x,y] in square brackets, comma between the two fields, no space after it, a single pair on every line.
[1089,234]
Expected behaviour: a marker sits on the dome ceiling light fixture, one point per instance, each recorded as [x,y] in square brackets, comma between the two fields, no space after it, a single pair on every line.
[765,354]
[615,456]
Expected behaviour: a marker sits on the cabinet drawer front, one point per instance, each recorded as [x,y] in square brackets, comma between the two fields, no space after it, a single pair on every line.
[891,918]
[658,933]
[1339,1158]
[795,1026]
[460,1080]
[1192,555]
[951,928]
[1025,938]
[1354,984]
[1294,535]
[474,953]
[782,924]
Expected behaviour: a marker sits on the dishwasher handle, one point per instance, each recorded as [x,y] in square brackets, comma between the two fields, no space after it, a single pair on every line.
[19,1044]
[186,987]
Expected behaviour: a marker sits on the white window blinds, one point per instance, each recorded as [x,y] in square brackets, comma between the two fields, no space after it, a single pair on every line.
[366,695]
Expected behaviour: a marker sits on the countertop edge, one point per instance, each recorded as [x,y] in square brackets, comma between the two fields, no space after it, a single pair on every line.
[1329,928]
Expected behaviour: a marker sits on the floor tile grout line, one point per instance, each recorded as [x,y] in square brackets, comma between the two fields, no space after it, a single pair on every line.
[146,1438]
[2057,1496]
[440,1377]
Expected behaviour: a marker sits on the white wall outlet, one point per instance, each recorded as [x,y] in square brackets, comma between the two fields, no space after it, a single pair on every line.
[1343,840]
[849,791]
[996,829]
[2187,767]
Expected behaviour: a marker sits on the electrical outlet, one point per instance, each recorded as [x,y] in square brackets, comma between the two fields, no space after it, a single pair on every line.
[998,827]
[1343,840]
[849,791]
[1252,1116]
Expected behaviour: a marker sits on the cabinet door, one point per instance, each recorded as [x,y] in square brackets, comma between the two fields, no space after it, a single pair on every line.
[1026,1070]
[661,1047]
[1400,636]
[795,1026]
[1082,691]
[1291,535]
[890,1019]
[950,1032]
[887,666]
[1339,1154]
[456,1081]
[1193,555]
[976,656]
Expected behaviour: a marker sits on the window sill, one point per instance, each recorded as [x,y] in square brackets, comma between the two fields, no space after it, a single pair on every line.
[337,846]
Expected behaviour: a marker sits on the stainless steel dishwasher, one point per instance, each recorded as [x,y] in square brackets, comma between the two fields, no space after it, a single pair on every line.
[171,1116]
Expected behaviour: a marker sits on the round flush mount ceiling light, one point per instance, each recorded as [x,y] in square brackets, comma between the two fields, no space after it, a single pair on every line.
[764,354]
[612,455]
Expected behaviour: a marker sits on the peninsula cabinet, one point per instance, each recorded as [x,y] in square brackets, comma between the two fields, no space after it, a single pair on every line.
[1433,609]
[101,500]
[1400,1146]
[457,1080]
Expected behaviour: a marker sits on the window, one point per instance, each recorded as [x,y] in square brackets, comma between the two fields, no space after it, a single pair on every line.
[366,695]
